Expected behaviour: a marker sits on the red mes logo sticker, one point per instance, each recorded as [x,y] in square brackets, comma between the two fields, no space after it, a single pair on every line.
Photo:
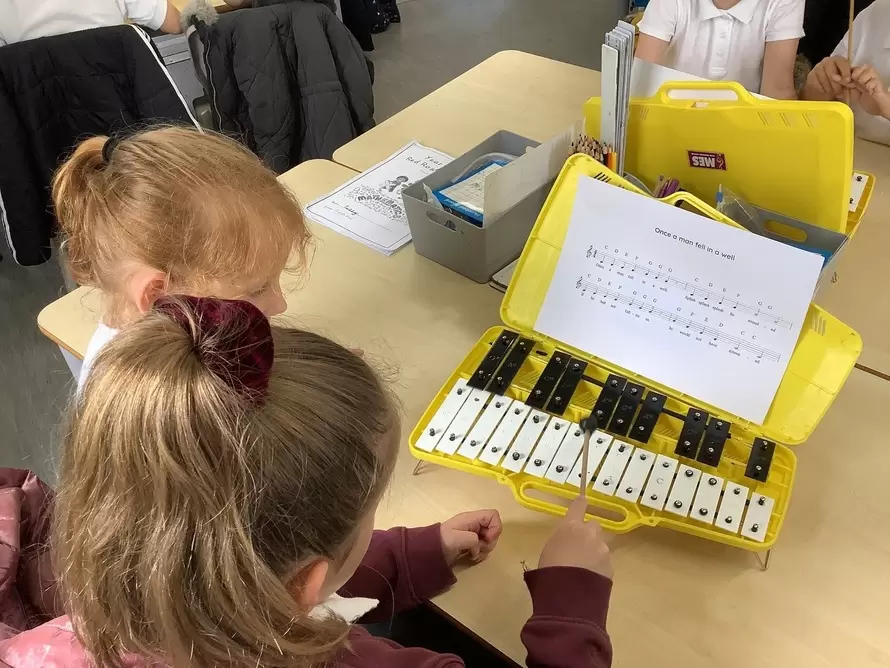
[707,160]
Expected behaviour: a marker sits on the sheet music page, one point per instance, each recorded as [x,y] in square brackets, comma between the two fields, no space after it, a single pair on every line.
[709,310]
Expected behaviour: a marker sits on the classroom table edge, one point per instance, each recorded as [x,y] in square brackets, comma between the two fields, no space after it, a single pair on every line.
[64,346]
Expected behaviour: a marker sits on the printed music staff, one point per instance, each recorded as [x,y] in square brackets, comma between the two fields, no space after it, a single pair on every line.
[588,287]
[692,289]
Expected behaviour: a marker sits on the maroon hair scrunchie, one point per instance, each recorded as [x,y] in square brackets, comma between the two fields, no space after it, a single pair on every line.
[244,362]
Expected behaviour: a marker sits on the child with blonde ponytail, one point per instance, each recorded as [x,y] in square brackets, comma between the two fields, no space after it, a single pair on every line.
[173,210]
[219,484]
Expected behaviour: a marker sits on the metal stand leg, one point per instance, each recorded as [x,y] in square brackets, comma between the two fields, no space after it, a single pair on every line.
[763,558]
[419,466]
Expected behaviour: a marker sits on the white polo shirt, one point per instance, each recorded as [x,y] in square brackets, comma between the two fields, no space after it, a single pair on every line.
[871,46]
[29,19]
[100,337]
[722,44]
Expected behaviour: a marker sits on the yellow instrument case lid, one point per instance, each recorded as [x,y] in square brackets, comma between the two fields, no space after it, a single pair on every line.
[768,152]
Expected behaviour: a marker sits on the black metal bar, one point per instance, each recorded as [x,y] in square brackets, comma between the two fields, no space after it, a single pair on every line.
[499,349]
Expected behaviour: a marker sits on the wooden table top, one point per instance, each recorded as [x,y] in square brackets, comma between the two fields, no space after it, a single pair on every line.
[678,600]
[532,96]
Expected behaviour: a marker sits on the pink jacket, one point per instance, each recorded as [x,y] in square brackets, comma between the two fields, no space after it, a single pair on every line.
[27,588]
[403,568]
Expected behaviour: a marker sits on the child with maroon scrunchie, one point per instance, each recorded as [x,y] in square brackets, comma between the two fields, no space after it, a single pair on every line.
[216,507]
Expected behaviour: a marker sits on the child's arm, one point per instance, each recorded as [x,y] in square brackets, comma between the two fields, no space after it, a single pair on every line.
[651,49]
[155,14]
[405,567]
[401,569]
[172,21]
[827,80]
[870,91]
[657,28]
[570,597]
[783,32]
[568,624]
[777,80]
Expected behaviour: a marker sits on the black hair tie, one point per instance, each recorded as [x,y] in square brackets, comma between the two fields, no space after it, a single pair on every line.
[110,144]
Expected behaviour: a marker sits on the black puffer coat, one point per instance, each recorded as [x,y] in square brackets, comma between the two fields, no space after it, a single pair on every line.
[288,80]
[56,91]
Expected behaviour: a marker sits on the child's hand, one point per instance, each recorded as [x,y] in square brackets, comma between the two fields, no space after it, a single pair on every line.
[873,94]
[474,534]
[832,76]
[578,543]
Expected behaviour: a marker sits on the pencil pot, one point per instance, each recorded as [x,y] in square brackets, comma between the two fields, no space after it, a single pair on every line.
[474,251]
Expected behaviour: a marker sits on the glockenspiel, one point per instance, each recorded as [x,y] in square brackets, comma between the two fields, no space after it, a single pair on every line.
[654,461]
[511,411]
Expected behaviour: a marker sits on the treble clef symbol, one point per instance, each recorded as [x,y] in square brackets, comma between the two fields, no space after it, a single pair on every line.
[590,252]
[578,284]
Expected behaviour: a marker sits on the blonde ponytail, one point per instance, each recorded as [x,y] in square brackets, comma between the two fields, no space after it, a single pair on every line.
[77,193]
[182,508]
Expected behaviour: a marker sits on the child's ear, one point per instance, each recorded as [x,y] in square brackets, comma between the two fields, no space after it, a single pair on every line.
[307,584]
[145,287]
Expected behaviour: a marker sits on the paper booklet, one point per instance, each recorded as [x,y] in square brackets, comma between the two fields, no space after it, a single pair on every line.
[369,207]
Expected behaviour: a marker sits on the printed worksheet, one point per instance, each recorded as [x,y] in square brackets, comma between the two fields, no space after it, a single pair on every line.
[709,310]
[369,207]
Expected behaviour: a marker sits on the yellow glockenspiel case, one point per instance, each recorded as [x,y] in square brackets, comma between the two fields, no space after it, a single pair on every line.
[659,458]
